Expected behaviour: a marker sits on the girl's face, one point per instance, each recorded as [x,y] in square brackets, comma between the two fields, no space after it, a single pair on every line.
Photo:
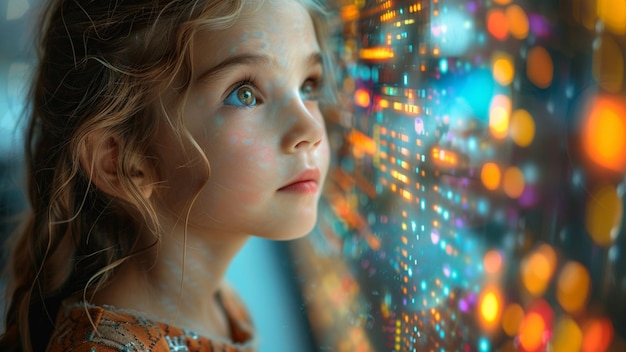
[253,110]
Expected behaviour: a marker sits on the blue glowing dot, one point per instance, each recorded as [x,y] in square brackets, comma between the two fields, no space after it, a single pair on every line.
[410,272]
[442,334]
[413,226]
[423,205]
[443,65]
[423,285]
[449,194]
[446,215]
[483,345]
[375,74]
[482,206]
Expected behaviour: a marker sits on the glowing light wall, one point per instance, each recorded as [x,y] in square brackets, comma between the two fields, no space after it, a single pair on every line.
[477,196]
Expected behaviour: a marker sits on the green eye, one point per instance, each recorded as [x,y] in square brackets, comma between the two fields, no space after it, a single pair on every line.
[309,89]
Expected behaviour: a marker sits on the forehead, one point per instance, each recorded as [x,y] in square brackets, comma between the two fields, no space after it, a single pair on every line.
[276,28]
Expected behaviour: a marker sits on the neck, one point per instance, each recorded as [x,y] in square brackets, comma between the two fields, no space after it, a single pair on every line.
[177,281]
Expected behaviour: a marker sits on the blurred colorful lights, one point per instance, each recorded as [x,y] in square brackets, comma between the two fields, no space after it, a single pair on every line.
[604,133]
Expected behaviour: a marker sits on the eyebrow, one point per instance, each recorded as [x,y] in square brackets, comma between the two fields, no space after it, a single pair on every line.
[313,59]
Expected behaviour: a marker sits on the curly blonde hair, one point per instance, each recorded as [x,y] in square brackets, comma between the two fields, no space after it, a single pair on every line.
[103,68]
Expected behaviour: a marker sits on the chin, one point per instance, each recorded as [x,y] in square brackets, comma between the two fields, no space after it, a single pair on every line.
[294,229]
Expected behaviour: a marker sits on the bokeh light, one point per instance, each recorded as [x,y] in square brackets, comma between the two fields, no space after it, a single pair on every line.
[537,269]
[573,287]
[604,133]
[492,261]
[603,218]
[497,24]
[503,69]
[513,182]
[608,64]
[490,307]
[567,336]
[499,115]
[512,319]
[539,67]
[531,332]
[613,14]
[522,128]
[518,21]
[597,335]
[362,98]
[490,175]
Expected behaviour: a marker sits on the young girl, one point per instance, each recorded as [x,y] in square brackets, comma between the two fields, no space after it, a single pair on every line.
[164,134]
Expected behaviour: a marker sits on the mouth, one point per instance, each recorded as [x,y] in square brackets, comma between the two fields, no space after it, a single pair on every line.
[306,182]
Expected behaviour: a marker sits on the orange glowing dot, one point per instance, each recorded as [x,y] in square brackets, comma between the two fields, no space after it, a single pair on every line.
[522,128]
[613,14]
[503,70]
[497,24]
[362,98]
[597,335]
[608,64]
[567,336]
[512,319]
[492,261]
[604,134]
[513,182]
[490,176]
[499,115]
[518,21]
[531,332]
[573,287]
[537,269]
[539,67]
[603,217]
[502,2]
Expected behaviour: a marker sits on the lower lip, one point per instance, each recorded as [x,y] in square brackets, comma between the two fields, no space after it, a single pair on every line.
[301,187]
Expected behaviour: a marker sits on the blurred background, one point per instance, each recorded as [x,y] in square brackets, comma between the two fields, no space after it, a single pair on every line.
[476,196]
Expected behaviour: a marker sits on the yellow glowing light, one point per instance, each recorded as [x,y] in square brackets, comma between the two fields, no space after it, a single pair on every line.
[376,53]
[362,98]
[492,261]
[531,332]
[567,336]
[349,13]
[604,134]
[537,269]
[489,307]
[613,14]
[603,216]
[490,176]
[573,287]
[383,103]
[512,319]
[497,24]
[597,335]
[513,182]
[502,2]
[608,64]
[499,115]
[503,70]
[522,128]
[539,67]
[518,21]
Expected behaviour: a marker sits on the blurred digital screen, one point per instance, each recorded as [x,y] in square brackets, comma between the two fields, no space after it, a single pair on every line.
[476,199]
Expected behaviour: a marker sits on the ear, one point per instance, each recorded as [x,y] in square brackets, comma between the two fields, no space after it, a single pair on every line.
[99,158]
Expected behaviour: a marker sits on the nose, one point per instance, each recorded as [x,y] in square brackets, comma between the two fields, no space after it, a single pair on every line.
[305,126]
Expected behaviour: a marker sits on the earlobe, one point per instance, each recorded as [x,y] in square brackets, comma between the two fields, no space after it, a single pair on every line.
[99,158]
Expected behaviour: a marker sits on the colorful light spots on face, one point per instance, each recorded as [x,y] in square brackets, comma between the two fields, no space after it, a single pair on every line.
[603,218]
[490,176]
[522,128]
[539,67]
[604,133]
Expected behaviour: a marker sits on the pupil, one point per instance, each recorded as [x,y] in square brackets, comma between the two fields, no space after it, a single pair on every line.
[245,96]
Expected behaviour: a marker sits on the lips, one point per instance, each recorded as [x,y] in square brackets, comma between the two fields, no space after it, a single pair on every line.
[306,182]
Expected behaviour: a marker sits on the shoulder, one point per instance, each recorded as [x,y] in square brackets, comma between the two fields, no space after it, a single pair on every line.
[81,328]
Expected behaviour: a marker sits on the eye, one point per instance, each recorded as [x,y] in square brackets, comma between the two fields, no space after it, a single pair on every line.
[243,96]
[310,89]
